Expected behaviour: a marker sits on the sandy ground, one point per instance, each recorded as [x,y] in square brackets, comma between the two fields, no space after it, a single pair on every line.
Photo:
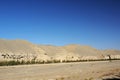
[61,71]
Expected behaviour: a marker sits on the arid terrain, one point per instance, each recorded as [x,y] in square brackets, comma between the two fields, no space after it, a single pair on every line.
[23,50]
[47,62]
[59,39]
[62,71]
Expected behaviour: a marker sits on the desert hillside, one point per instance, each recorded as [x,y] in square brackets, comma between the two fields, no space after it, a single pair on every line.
[24,50]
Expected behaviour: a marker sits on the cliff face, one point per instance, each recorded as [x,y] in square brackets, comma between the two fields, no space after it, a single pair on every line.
[24,50]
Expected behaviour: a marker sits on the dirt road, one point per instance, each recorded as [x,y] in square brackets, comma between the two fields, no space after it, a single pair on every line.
[60,71]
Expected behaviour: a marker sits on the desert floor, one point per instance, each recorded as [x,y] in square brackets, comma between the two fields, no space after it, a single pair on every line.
[62,71]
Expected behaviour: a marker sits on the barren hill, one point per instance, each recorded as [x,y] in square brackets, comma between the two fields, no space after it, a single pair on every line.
[24,50]
[19,48]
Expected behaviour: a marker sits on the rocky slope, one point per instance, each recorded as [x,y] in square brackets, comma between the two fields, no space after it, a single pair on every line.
[24,50]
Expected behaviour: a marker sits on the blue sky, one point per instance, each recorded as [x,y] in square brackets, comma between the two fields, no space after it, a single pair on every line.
[60,22]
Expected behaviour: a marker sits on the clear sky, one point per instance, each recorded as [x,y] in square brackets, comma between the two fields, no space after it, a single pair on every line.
[60,22]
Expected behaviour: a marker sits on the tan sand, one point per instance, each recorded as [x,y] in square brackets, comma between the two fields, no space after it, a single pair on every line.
[60,71]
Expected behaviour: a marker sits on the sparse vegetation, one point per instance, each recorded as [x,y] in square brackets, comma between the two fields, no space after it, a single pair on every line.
[22,62]
[16,60]
[7,63]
